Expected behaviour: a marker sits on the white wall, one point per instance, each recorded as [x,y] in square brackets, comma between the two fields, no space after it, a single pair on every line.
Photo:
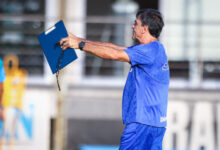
[207,36]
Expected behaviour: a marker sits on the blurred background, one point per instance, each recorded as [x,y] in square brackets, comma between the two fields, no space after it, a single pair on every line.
[86,114]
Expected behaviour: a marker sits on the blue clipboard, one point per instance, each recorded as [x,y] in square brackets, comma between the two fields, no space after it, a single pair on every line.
[49,41]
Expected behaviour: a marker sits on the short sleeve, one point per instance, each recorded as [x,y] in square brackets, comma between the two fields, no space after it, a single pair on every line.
[2,72]
[142,54]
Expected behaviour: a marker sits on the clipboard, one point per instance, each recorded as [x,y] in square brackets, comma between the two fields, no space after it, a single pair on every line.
[55,56]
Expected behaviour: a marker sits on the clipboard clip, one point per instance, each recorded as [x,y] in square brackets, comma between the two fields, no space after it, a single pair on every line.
[50,30]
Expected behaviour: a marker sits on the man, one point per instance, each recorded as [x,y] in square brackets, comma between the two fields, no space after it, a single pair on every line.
[144,106]
[2,78]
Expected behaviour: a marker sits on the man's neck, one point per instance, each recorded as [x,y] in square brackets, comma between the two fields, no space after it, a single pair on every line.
[147,40]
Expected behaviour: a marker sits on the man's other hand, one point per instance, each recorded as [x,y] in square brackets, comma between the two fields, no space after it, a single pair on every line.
[71,41]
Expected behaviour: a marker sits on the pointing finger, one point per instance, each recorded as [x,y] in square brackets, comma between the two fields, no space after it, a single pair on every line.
[65,44]
[62,41]
[64,47]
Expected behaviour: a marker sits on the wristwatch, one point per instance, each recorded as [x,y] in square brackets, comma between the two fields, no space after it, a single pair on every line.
[81,45]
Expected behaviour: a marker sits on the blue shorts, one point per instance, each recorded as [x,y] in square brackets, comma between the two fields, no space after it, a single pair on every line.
[138,136]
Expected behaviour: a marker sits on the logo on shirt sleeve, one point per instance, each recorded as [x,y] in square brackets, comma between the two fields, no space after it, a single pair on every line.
[165,67]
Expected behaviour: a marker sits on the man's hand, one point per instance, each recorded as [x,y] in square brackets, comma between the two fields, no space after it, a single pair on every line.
[71,41]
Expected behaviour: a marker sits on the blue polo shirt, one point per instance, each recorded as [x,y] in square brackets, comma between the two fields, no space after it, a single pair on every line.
[146,89]
[2,72]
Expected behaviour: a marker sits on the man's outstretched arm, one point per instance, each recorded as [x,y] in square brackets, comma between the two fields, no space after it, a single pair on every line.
[100,49]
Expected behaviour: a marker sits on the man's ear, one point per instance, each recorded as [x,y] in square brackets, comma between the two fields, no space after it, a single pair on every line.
[144,29]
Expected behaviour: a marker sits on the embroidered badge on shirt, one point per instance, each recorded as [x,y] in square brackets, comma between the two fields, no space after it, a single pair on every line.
[165,67]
